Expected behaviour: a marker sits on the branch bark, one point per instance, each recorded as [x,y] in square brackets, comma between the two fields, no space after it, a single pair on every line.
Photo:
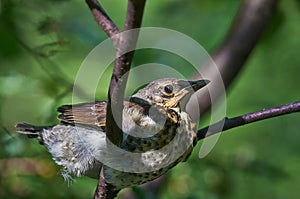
[248,118]
[125,51]
[102,18]
[124,43]
[104,190]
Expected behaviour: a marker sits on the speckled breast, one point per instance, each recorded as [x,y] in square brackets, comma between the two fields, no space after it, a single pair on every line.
[178,130]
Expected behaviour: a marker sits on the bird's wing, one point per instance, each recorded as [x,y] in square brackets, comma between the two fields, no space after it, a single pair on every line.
[93,115]
[89,114]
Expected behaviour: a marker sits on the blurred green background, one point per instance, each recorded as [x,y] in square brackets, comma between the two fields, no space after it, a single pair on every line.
[44,43]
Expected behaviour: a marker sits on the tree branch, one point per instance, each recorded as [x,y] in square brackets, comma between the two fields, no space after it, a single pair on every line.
[246,29]
[102,18]
[125,51]
[248,118]
[124,43]
[104,190]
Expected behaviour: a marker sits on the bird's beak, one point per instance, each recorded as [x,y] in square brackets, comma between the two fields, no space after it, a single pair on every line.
[196,85]
[187,89]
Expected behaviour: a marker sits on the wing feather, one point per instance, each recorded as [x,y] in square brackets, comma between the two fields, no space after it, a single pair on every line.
[93,115]
[89,114]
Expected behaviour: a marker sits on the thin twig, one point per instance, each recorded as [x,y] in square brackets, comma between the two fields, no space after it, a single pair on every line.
[102,18]
[236,122]
[248,118]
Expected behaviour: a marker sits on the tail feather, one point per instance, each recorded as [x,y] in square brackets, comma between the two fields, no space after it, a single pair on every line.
[30,130]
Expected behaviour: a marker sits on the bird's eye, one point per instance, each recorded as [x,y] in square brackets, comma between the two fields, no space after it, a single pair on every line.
[169,89]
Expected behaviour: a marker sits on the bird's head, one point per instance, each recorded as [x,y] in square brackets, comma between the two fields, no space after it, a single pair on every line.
[167,92]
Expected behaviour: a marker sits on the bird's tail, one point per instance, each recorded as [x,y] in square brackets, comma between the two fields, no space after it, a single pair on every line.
[30,130]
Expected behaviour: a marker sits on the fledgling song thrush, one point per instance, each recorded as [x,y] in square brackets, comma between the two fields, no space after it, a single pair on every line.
[158,134]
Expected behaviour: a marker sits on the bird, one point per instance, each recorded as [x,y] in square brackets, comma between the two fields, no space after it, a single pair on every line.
[158,133]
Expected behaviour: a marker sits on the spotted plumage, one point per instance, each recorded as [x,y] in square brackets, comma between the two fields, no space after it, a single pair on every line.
[158,134]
